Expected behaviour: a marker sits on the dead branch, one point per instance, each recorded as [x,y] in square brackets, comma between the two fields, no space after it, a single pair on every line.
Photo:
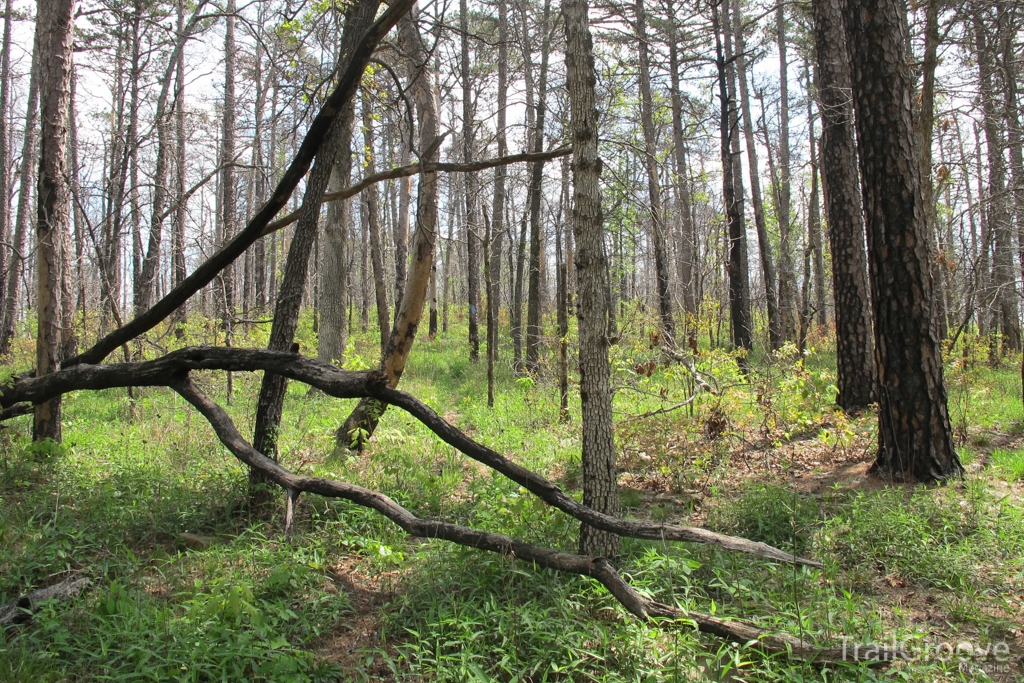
[172,368]
[22,609]
[419,167]
[315,136]
[597,568]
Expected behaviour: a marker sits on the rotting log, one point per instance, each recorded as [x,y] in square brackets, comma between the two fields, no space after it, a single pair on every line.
[22,609]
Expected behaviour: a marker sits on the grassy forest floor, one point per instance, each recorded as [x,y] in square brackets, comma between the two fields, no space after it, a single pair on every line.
[146,503]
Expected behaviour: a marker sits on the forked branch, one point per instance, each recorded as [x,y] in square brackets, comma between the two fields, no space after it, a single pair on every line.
[170,369]
[597,568]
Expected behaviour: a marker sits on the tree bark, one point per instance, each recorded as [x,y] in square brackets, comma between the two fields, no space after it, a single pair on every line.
[856,378]
[13,292]
[334,271]
[739,286]
[534,315]
[787,279]
[362,422]
[915,439]
[55,21]
[771,291]
[472,230]
[661,267]
[600,488]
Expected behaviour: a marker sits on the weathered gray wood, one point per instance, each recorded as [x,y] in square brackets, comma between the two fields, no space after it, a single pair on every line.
[22,609]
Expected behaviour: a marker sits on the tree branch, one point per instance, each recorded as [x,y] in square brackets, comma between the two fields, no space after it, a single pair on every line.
[597,568]
[315,136]
[416,168]
[174,367]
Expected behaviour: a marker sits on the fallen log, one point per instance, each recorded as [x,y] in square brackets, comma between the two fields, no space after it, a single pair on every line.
[173,368]
[22,609]
[598,568]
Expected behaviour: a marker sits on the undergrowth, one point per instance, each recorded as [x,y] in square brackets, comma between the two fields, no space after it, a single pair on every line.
[137,475]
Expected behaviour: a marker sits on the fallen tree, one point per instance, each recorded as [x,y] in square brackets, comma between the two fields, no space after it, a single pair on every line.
[174,371]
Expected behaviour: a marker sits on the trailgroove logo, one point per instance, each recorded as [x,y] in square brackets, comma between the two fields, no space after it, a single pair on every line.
[990,658]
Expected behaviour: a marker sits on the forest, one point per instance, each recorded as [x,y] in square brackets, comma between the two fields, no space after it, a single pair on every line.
[649,341]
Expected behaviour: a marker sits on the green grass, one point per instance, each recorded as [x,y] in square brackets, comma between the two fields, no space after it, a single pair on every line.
[1010,463]
[350,597]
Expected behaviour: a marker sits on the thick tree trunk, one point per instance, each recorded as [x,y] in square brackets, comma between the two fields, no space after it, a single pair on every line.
[661,267]
[771,290]
[915,439]
[362,422]
[334,271]
[55,20]
[600,488]
[855,361]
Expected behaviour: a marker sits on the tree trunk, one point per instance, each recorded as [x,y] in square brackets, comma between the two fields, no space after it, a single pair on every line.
[925,124]
[334,272]
[600,489]
[178,271]
[534,317]
[739,285]
[687,235]
[787,279]
[999,215]
[55,20]
[661,267]
[915,440]
[401,226]
[500,173]
[856,376]
[775,331]
[5,153]
[229,212]
[472,236]
[286,314]
[371,210]
[13,293]
[814,215]
[362,422]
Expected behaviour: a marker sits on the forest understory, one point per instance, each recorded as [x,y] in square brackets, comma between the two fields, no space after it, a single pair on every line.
[144,502]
